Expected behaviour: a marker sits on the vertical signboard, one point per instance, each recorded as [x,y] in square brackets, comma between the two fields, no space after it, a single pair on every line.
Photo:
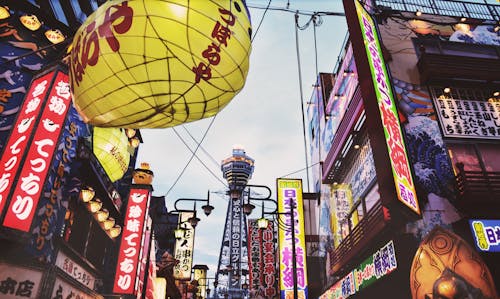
[28,190]
[27,118]
[127,266]
[255,264]
[236,239]
[183,251]
[379,103]
[262,259]
[291,209]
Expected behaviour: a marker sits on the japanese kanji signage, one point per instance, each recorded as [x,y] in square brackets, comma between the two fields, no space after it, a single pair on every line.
[486,234]
[26,121]
[376,266]
[236,238]
[469,119]
[127,267]
[28,190]
[380,107]
[18,282]
[262,259]
[183,251]
[290,201]
[64,290]
[70,267]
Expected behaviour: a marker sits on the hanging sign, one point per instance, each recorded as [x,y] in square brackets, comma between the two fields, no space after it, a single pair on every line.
[127,267]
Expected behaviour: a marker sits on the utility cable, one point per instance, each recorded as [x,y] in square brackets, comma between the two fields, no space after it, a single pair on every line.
[300,12]
[201,147]
[286,175]
[261,19]
[192,156]
[301,97]
[196,156]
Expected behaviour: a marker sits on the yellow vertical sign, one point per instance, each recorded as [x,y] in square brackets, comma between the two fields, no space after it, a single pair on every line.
[291,234]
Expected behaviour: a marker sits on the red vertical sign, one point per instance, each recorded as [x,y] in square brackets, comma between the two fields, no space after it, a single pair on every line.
[21,133]
[131,241]
[29,186]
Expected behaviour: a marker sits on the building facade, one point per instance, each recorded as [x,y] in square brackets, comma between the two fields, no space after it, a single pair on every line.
[56,241]
[405,134]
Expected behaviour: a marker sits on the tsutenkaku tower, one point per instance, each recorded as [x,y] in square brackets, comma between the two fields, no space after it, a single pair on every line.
[233,258]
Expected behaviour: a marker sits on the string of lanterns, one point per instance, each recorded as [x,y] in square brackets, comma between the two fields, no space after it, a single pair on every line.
[94,205]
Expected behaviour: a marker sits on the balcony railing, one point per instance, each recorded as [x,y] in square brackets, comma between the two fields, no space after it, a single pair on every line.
[477,10]
[361,235]
[477,186]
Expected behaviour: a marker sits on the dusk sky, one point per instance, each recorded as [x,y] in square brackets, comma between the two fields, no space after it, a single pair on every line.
[264,118]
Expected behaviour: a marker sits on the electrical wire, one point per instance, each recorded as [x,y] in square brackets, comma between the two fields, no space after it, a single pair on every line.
[198,158]
[261,19]
[301,98]
[300,12]
[192,156]
[286,175]
[201,147]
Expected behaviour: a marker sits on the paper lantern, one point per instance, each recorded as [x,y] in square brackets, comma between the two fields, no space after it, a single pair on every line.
[110,146]
[157,64]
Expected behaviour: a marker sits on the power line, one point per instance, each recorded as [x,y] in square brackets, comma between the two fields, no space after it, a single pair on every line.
[192,156]
[198,158]
[284,176]
[201,147]
[261,19]
[300,12]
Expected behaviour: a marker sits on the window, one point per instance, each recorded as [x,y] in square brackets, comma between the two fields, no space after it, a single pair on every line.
[475,156]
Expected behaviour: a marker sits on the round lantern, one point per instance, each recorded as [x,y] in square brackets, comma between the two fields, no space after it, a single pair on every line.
[110,146]
[157,64]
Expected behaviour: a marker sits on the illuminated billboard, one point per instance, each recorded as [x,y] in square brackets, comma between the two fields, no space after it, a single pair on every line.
[128,264]
[291,238]
[14,149]
[33,174]
[379,103]
[486,234]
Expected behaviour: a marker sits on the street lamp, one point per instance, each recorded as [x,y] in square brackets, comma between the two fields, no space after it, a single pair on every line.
[263,223]
[207,208]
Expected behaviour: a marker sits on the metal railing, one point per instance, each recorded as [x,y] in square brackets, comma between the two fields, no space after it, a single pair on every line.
[359,236]
[476,10]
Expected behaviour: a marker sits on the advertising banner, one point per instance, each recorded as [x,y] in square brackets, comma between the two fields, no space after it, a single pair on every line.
[292,236]
[262,257]
[183,250]
[127,267]
[36,166]
[19,282]
[17,144]
[468,119]
[378,99]
[376,266]
[486,234]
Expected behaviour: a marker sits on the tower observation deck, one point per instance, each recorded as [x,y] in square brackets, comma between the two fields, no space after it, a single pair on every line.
[232,268]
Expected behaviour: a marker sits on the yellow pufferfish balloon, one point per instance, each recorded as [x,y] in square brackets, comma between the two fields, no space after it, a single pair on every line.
[158,64]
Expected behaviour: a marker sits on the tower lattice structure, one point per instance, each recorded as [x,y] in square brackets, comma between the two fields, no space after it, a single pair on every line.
[233,258]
